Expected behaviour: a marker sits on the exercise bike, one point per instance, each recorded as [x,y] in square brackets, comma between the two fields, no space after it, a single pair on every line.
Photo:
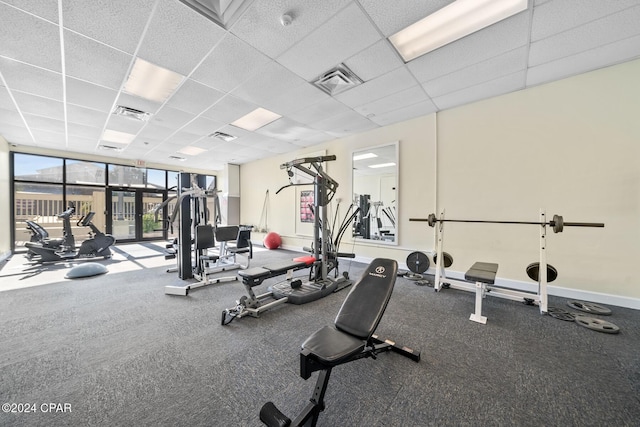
[54,250]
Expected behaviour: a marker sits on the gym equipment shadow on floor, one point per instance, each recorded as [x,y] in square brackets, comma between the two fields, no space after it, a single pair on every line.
[121,352]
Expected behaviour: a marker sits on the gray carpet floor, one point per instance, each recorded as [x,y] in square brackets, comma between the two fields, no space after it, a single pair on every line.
[119,352]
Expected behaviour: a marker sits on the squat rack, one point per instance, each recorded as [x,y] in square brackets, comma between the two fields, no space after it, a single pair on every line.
[557,224]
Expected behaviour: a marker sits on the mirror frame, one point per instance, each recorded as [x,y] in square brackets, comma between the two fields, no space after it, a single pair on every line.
[396,145]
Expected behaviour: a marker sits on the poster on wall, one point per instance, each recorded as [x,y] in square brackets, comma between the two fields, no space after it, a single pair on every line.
[306,206]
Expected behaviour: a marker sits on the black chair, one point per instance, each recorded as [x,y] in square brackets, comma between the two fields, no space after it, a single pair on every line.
[350,338]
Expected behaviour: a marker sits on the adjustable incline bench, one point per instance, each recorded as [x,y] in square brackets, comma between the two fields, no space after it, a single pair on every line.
[350,338]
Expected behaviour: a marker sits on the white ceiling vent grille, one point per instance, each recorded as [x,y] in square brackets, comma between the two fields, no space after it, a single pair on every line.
[222,12]
[337,80]
[109,147]
[132,113]
[223,136]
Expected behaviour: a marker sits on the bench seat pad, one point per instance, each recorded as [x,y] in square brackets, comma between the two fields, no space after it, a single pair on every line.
[331,346]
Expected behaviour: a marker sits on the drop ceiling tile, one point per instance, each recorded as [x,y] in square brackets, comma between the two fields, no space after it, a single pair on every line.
[612,28]
[88,95]
[490,42]
[10,117]
[182,139]
[171,118]
[405,113]
[397,100]
[582,62]
[47,139]
[45,9]
[76,130]
[260,25]
[344,35]
[34,80]
[392,16]
[279,147]
[202,126]
[559,16]
[374,61]
[268,82]
[29,39]
[501,65]
[86,116]
[6,102]
[44,123]
[154,133]
[320,111]
[499,86]
[230,64]
[344,124]
[16,134]
[117,24]
[388,84]
[228,109]
[194,97]
[39,106]
[287,130]
[178,38]
[82,144]
[93,62]
[312,140]
[297,98]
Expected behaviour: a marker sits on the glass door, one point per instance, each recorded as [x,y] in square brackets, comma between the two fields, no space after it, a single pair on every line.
[132,214]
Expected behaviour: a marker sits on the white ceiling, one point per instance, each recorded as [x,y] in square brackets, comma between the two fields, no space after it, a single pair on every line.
[63,66]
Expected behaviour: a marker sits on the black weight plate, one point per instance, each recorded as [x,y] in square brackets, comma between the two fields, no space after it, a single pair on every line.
[448,259]
[598,325]
[561,314]
[417,262]
[589,307]
[534,268]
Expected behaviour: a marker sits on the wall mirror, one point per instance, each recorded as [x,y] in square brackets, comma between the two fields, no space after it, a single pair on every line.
[375,192]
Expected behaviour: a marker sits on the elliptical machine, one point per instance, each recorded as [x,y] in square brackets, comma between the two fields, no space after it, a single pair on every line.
[54,250]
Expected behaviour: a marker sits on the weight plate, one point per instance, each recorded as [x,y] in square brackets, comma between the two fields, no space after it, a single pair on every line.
[589,307]
[598,325]
[431,220]
[533,270]
[448,259]
[561,314]
[558,223]
[417,262]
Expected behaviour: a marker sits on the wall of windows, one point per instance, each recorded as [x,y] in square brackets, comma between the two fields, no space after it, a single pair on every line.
[45,186]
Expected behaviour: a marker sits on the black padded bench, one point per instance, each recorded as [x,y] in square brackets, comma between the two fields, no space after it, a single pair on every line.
[254,276]
[349,338]
[482,274]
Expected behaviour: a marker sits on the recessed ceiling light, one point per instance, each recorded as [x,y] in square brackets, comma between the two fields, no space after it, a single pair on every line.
[192,151]
[365,156]
[256,119]
[452,22]
[382,165]
[116,136]
[151,82]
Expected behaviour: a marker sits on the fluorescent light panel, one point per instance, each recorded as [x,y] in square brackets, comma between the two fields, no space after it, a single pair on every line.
[452,22]
[151,82]
[256,119]
[116,136]
[192,151]
[364,156]
[382,165]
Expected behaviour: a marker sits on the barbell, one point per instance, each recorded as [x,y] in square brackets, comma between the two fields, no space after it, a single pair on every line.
[557,223]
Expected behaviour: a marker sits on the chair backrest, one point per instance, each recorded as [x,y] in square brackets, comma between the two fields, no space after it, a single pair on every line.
[362,310]
[204,237]
[227,233]
[244,238]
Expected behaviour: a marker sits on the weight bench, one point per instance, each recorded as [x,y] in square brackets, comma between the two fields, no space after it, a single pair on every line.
[252,304]
[350,338]
[482,274]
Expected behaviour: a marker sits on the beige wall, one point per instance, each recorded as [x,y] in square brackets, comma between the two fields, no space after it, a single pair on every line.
[570,147]
[5,211]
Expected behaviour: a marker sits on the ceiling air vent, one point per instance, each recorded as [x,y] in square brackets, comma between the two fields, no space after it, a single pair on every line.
[182,159]
[223,136]
[109,147]
[337,80]
[132,113]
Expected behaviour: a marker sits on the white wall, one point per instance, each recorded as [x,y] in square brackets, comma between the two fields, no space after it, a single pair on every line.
[570,147]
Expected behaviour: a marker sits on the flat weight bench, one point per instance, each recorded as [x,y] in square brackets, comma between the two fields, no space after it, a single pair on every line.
[483,274]
[350,338]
